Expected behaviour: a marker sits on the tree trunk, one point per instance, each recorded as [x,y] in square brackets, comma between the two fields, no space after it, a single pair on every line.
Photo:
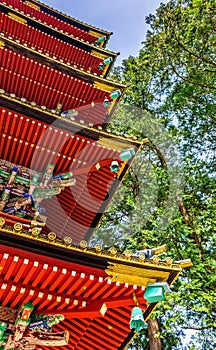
[153,330]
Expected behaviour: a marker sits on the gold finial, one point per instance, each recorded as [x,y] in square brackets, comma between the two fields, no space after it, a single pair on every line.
[155,260]
[168,261]
[113,251]
[142,257]
[127,254]
[98,248]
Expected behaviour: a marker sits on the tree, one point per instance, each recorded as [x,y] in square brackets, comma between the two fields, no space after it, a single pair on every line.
[173,81]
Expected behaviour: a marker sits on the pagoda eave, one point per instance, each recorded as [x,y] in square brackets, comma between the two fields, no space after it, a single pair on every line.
[119,141]
[55,64]
[56,33]
[60,167]
[72,20]
[70,146]
[76,283]
[86,256]
[80,87]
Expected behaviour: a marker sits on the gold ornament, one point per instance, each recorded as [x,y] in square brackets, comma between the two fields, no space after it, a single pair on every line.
[2,222]
[17,227]
[83,244]
[51,236]
[113,251]
[67,240]
[98,248]
[35,232]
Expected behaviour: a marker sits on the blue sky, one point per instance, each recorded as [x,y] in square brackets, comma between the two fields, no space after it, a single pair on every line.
[125,18]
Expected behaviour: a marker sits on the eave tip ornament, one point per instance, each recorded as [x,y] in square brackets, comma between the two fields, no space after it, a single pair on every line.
[155,292]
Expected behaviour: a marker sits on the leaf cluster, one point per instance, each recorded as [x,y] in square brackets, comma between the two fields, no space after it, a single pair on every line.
[173,81]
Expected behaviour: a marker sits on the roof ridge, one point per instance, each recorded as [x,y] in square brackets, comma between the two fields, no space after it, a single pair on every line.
[72,18]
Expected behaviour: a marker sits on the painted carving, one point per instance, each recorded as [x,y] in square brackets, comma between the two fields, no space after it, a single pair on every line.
[21,193]
[26,331]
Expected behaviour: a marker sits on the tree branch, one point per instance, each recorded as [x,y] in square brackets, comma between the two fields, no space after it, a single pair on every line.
[199,328]
[160,155]
[191,81]
[187,221]
[182,207]
[195,55]
[189,51]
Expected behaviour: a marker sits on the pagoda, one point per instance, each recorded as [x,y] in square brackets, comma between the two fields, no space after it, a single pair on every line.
[60,166]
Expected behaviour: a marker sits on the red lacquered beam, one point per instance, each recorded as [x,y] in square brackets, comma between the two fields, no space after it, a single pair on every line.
[11,218]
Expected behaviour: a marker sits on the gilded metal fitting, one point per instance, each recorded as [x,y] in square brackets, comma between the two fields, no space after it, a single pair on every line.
[83,244]
[113,251]
[51,236]
[18,227]
[98,248]
[2,222]
[67,240]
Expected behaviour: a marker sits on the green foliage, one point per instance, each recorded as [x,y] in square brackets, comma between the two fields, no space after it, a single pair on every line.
[173,81]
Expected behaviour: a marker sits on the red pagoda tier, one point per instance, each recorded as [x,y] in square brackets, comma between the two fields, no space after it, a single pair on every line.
[46,34]
[66,147]
[38,79]
[59,168]
[92,290]
[98,32]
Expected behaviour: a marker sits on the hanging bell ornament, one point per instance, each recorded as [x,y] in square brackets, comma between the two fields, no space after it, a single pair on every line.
[105,62]
[137,321]
[108,60]
[127,154]
[106,103]
[101,66]
[114,166]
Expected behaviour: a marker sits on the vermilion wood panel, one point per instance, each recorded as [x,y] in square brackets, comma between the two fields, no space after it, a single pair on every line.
[73,283]
[47,44]
[51,21]
[46,87]
[34,145]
